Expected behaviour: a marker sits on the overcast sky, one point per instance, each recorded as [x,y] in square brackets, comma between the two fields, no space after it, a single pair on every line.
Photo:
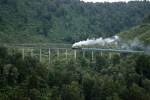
[105,0]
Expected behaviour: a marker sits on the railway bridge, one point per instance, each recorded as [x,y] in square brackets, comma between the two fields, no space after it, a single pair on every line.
[47,52]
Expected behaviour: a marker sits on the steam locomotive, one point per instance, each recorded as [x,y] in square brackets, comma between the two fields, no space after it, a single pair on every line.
[112,46]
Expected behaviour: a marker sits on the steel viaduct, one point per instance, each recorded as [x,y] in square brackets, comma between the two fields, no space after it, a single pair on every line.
[47,50]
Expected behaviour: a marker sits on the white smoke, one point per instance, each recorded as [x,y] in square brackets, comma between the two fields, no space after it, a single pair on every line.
[99,41]
[134,44]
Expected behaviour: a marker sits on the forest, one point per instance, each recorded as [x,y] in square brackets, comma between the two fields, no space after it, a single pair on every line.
[124,77]
[67,21]
[141,32]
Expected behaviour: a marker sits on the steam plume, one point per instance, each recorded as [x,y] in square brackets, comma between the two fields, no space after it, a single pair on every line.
[99,41]
[120,43]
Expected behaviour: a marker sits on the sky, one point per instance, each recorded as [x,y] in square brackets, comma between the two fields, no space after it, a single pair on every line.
[105,0]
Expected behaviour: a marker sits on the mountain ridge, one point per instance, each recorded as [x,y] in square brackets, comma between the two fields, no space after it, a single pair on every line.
[66,21]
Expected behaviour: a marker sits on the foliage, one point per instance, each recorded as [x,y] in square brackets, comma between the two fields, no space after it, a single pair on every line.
[29,21]
[140,32]
[124,77]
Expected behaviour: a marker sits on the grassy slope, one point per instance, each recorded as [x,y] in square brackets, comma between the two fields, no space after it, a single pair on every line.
[142,32]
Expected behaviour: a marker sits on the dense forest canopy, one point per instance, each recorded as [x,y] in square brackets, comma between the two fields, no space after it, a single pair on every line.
[140,32]
[123,77]
[66,20]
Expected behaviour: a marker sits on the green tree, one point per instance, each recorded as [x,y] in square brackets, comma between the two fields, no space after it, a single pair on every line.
[72,92]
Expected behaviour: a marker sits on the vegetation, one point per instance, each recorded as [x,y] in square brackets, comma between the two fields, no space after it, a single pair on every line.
[124,77]
[31,21]
[140,32]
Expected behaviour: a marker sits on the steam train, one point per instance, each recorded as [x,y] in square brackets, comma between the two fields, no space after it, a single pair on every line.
[111,46]
[76,47]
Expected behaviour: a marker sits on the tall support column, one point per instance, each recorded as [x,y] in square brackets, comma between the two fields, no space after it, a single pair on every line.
[92,55]
[66,54]
[83,54]
[101,53]
[23,54]
[110,55]
[40,55]
[13,51]
[75,54]
[119,54]
[49,56]
[31,52]
[57,53]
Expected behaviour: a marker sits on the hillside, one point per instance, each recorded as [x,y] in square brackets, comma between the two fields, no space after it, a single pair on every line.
[141,32]
[66,20]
